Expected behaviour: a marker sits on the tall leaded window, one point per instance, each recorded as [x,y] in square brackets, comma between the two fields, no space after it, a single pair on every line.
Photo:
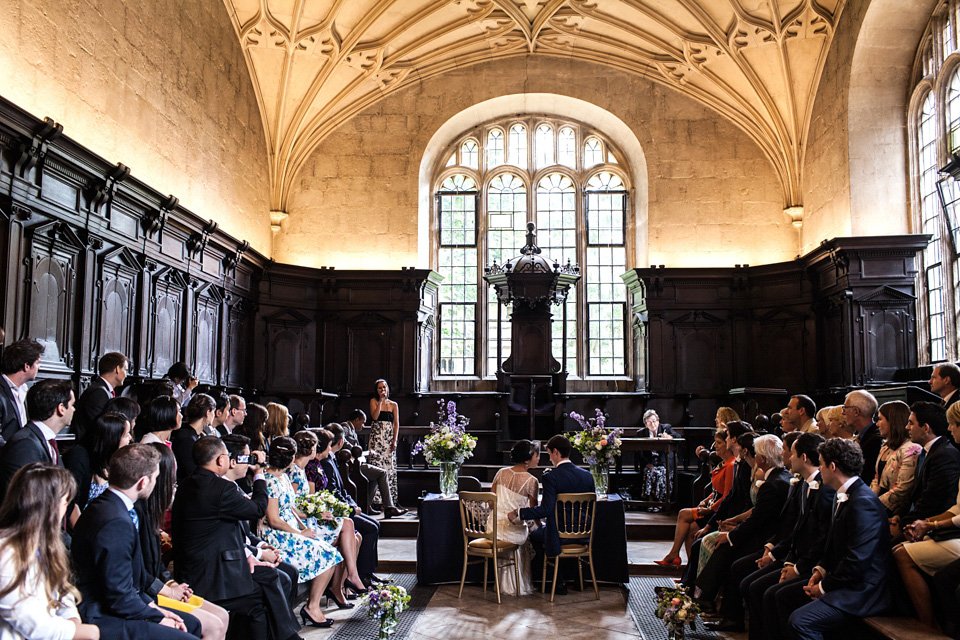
[935,135]
[566,179]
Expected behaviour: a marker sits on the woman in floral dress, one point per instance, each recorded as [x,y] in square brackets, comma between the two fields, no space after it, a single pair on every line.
[384,431]
[298,544]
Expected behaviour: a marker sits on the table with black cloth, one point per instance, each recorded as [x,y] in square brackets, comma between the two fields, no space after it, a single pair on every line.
[440,543]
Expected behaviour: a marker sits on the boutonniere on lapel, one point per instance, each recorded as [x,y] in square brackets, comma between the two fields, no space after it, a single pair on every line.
[795,479]
[814,485]
[759,483]
[841,498]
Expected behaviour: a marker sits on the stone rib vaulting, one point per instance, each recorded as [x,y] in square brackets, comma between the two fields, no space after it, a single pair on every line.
[316,63]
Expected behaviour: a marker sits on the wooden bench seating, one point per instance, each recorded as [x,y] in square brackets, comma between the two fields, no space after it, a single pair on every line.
[896,628]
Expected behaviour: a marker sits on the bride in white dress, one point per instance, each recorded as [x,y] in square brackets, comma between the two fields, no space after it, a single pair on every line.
[516,489]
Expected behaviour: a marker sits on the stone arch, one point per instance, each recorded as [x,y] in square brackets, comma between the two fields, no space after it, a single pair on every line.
[548,104]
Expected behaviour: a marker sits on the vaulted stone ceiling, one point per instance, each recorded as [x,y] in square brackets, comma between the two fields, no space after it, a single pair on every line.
[316,63]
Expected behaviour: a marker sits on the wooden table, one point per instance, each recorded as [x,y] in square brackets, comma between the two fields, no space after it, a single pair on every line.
[666,445]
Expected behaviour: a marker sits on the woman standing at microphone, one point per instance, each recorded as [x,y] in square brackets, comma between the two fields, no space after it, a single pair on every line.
[384,431]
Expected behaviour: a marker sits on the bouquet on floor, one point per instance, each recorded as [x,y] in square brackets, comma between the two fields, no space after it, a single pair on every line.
[448,440]
[596,443]
[676,608]
[313,505]
[385,604]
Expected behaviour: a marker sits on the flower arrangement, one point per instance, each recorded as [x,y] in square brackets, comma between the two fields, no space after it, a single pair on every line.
[385,604]
[315,504]
[448,440]
[676,608]
[594,441]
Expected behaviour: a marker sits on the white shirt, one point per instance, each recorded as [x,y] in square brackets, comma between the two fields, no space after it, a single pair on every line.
[127,502]
[927,446]
[48,435]
[25,613]
[20,397]
[152,437]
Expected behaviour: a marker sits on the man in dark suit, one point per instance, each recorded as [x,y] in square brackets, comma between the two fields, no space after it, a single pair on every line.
[748,536]
[19,365]
[108,559]
[944,382]
[850,580]
[50,405]
[793,557]
[280,583]
[234,413]
[210,551]
[938,467]
[369,528]
[859,411]
[113,371]
[566,477]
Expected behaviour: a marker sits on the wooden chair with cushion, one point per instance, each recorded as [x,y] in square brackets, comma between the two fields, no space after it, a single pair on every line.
[575,513]
[478,515]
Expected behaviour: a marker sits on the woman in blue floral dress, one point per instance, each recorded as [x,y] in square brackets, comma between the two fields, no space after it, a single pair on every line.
[344,536]
[298,544]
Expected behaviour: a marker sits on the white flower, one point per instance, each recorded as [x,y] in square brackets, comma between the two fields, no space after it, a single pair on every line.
[794,480]
[599,446]
[841,497]
[814,485]
[759,483]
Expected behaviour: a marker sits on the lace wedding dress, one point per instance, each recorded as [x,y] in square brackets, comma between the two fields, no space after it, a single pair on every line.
[514,491]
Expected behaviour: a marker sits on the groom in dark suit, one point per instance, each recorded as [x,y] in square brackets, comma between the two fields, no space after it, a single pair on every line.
[566,477]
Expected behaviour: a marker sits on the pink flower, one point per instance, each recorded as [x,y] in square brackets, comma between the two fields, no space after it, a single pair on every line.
[604,442]
[675,601]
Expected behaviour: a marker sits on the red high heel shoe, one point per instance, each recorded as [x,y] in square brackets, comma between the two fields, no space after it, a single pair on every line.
[676,562]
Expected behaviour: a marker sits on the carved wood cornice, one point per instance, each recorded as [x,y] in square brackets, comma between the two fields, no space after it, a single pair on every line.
[317,63]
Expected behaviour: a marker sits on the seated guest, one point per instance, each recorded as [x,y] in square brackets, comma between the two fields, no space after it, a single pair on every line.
[377,476]
[565,477]
[859,410]
[89,459]
[823,426]
[277,424]
[209,549]
[127,407]
[896,469]
[236,411]
[36,597]
[938,466]
[161,418]
[183,382]
[298,544]
[724,415]
[252,426]
[799,414]
[791,559]
[944,382]
[850,580]
[749,535]
[222,401]
[108,559]
[152,512]
[50,405]
[199,416]
[280,580]
[689,520]
[656,485]
[838,425]
[342,536]
[932,544]
[368,527]
[19,364]
[113,371]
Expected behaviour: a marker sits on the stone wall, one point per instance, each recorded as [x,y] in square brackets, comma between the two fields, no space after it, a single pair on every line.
[160,86]
[355,203]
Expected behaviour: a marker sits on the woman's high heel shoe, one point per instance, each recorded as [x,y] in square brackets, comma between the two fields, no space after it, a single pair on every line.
[308,621]
[357,590]
[676,562]
[340,605]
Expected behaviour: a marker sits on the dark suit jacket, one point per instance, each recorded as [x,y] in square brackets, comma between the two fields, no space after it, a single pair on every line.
[790,512]
[77,462]
[565,478]
[26,445]
[150,550]
[738,499]
[857,555]
[936,487]
[109,563]
[870,443]
[953,398]
[208,537]
[9,414]
[90,405]
[806,541]
[335,482]
[181,442]
[762,523]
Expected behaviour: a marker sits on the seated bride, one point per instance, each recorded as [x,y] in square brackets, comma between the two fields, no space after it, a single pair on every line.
[517,489]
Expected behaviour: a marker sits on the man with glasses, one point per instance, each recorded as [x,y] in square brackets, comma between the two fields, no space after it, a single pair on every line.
[235,413]
[859,410]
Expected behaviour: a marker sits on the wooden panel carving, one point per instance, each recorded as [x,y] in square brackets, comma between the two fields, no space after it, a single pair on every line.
[207,331]
[117,294]
[54,255]
[287,345]
[235,350]
[167,321]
